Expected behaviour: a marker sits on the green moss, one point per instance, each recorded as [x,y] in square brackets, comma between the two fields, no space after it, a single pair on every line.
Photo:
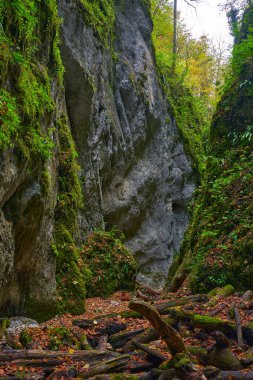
[203,321]
[4,324]
[213,292]
[38,310]
[228,290]
[25,99]
[250,325]
[100,15]
[198,351]
[62,337]
[130,314]
[111,264]
[71,272]
[179,361]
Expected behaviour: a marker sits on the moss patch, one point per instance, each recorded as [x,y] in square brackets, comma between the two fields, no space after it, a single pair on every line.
[100,15]
[26,101]
[111,264]
[71,273]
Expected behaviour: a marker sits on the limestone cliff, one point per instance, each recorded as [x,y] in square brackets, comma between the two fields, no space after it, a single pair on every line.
[133,170]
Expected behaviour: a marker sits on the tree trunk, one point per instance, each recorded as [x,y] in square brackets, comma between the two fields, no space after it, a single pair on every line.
[172,338]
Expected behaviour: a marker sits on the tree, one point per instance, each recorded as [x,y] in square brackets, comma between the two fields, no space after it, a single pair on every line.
[175,27]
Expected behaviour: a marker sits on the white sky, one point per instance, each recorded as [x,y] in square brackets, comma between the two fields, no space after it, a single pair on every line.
[207,19]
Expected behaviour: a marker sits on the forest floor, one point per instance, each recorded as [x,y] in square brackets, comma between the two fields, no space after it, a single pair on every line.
[110,341]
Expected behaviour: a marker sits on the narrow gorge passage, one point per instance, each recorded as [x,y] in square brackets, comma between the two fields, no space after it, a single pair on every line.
[126,192]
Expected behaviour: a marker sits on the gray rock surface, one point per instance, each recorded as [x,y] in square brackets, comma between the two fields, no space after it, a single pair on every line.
[17,324]
[134,171]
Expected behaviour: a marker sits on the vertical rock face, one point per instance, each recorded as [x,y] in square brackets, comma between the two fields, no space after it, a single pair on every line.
[134,167]
[27,268]
[134,171]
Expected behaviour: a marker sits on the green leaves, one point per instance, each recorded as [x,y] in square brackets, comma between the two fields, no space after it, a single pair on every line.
[9,118]
[27,72]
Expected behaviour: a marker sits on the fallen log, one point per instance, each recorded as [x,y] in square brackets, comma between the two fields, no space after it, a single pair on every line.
[25,376]
[141,295]
[149,289]
[112,328]
[169,334]
[197,298]
[126,376]
[63,374]
[136,367]
[234,375]
[102,343]
[152,355]
[83,323]
[147,336]
[238,327]
[113,365]
[211,324]
[89,356]
[154,374]
[206,322]
[122,314]
[35,363]
[119,340]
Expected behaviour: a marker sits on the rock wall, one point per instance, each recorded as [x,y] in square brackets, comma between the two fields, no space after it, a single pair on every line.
[134,172]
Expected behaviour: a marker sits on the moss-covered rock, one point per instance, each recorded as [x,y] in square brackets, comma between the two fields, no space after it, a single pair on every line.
[28,100]
[4,324]
[180,361]
[100,15]
[71,272]
[111,264]
[227,291]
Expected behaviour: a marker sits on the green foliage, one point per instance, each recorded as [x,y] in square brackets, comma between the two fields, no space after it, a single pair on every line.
[220,234]
[217,249]
[60,337]
[9,118]
[189,113]
[25,338]
[233,120]
[71,273]
[25,99]
[191,85]
[100,15]
[110,262]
